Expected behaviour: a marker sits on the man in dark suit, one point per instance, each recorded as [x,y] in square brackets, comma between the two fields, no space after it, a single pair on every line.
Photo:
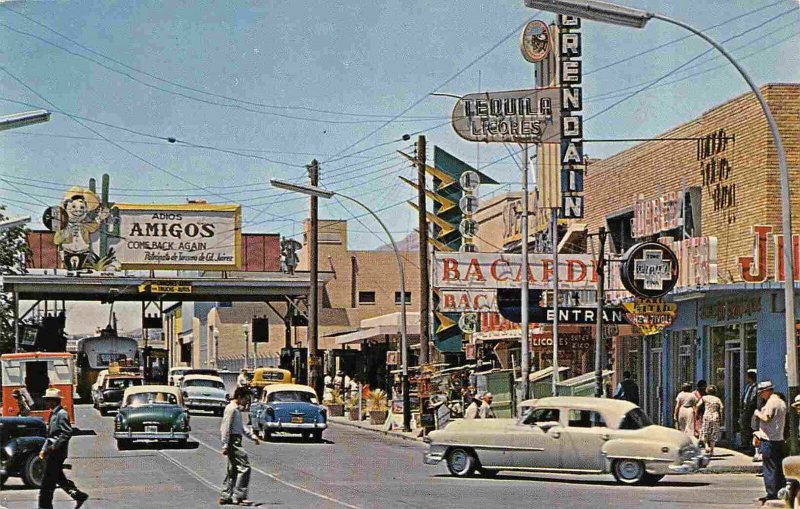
[627,389]
[748,408]
[54,452]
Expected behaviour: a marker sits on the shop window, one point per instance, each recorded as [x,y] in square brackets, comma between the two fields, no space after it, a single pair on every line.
[620,230]
[683,344]
[750,338]
[397,298]
[366,297]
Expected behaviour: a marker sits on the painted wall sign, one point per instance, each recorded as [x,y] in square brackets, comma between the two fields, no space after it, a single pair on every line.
[502,270]
[754,269]
[521,116]
[656,215]
[535,41]
[566,342]
[649,270]
[468,301]
[185,236]
[733,309]
[571,104]
[716,169]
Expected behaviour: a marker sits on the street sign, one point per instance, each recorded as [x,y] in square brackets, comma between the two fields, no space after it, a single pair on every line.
[165,287]
[535,41]
[649,270]
[521,116]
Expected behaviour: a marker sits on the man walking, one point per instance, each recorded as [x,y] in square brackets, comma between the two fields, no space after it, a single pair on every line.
[771,420]
[627,389]
[54,453]
[237,478]
[486,412]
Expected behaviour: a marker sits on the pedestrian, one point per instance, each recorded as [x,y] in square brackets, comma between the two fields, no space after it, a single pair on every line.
[327,394]
[485,411]
[242,380]
[771,421]
[54,453]
[473,410]
[685,404]
[748,408]
[237,477]
[353,387]
[699,392]
[712,418]
[627,389]
[23,407]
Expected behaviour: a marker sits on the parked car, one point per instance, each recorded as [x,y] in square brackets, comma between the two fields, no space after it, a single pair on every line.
[202,371]
[175,376]
[263,377]
[290,408]
[204,392]
[22,439]
[151,412]
[108,395]
[586,435]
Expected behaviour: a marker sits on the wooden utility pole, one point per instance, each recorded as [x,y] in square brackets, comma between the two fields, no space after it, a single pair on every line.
[314,364]
[599,345]
[424,279]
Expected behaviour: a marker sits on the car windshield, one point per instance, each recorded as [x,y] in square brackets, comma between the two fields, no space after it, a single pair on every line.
[122,383]
[212,384]
[635,419]
[151,398]
[211,372]
[290,397]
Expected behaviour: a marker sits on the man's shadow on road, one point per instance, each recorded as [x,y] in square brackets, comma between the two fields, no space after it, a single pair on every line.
[159,446]
[292,439]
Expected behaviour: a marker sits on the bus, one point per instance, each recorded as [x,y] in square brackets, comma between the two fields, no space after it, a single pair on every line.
[97,353]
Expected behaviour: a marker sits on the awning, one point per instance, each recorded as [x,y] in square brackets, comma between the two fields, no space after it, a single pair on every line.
[186,339]
[376,333]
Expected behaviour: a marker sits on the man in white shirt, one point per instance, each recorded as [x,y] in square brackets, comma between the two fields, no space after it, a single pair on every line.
[473,410]
[771,421]
[486,411]
[232,428]
[242,380]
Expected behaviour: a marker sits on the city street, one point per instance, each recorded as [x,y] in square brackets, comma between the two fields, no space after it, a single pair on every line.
[353,468]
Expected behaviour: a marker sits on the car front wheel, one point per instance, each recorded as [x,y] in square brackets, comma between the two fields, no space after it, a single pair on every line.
[33,471]
[627,471]
[123,444]
[461,462]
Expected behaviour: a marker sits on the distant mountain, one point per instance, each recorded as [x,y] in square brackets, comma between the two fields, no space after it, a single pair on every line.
[408,243]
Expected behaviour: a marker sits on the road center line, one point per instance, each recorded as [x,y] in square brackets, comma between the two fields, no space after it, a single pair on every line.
[191,472]
[285,483]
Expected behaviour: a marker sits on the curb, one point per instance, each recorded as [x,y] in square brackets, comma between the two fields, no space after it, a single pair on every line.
[379,431]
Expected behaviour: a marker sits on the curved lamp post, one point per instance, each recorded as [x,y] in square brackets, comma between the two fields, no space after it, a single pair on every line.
[626,16]
[22,119]
[324,193]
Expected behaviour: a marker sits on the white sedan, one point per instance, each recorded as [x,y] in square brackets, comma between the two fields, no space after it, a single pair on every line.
[567,434]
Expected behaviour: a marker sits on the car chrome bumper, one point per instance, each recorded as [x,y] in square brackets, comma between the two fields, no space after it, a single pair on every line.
[207,406]
[434,455]
[161,435]
[295,426]
[109,404]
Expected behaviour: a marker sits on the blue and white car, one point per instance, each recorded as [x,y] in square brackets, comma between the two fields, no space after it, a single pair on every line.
[288,408]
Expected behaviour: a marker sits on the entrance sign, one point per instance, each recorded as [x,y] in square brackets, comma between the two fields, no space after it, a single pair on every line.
[649,270]
[186,236]
[535,42]
[503,270]
[520,116]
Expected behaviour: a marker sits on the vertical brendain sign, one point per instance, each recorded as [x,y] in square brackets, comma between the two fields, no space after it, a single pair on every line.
[570,78]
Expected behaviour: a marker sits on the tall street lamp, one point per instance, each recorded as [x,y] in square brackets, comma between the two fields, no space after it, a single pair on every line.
[246,330]
[13,222]
[23,119]
[626,16]
[324,193]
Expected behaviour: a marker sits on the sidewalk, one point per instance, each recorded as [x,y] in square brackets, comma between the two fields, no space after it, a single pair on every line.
[724,461]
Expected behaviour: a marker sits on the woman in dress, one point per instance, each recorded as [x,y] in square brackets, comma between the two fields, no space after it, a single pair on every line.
[684,410]
[712,418]
[699,392]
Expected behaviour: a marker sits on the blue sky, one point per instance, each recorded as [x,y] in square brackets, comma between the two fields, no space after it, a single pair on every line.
[365,61]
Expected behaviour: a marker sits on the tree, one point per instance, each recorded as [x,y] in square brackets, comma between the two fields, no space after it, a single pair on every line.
[13,250]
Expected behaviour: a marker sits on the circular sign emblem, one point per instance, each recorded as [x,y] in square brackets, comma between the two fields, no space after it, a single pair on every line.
[470,181]
[468,247]
[535,41]
[468,323]
[468,228]
[468,204]
[649,270]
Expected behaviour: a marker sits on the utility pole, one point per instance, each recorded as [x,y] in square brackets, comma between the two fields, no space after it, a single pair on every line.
[424,278]
[314,378]
[598,347]
[554,237]
[525,361]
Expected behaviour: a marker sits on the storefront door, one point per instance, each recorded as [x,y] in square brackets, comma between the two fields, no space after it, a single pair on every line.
[652,380]
[733,368]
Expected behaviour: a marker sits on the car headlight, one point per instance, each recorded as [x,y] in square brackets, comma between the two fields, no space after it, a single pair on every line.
[9,451]
[120,423]
[270,412]
[323,414]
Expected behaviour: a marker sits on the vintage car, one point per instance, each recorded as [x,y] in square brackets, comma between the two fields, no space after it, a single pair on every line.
[567,434]
[176,375]
[151,412]
[204,392]
[108,395]
[22,439]
[291,408]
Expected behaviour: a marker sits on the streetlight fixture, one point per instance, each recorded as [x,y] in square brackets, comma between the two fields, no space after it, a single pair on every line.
[23,119]
[13,222]
[324,193]
[246,330]
[619,15]
[216,346]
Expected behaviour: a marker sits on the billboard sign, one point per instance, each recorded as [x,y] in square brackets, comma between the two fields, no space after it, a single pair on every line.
[535,42]
[503,270]
[520,116]
[192,236]
[649,270]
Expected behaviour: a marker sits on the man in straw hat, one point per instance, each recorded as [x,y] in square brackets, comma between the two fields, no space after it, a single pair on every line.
[54,453]
[771,420]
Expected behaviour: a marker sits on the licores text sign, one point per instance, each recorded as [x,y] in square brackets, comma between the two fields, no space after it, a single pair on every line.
[503,270]
[193,236]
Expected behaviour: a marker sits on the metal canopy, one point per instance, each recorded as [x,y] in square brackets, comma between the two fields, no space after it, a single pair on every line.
[263,287]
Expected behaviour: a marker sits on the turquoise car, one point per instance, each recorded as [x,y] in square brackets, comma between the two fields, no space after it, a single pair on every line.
[289,408]
[151,412]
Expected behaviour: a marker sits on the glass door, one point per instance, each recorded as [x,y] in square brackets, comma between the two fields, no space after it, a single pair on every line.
[732,390]
[652,379]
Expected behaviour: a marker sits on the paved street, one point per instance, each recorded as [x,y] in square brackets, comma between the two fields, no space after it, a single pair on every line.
[354,468]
